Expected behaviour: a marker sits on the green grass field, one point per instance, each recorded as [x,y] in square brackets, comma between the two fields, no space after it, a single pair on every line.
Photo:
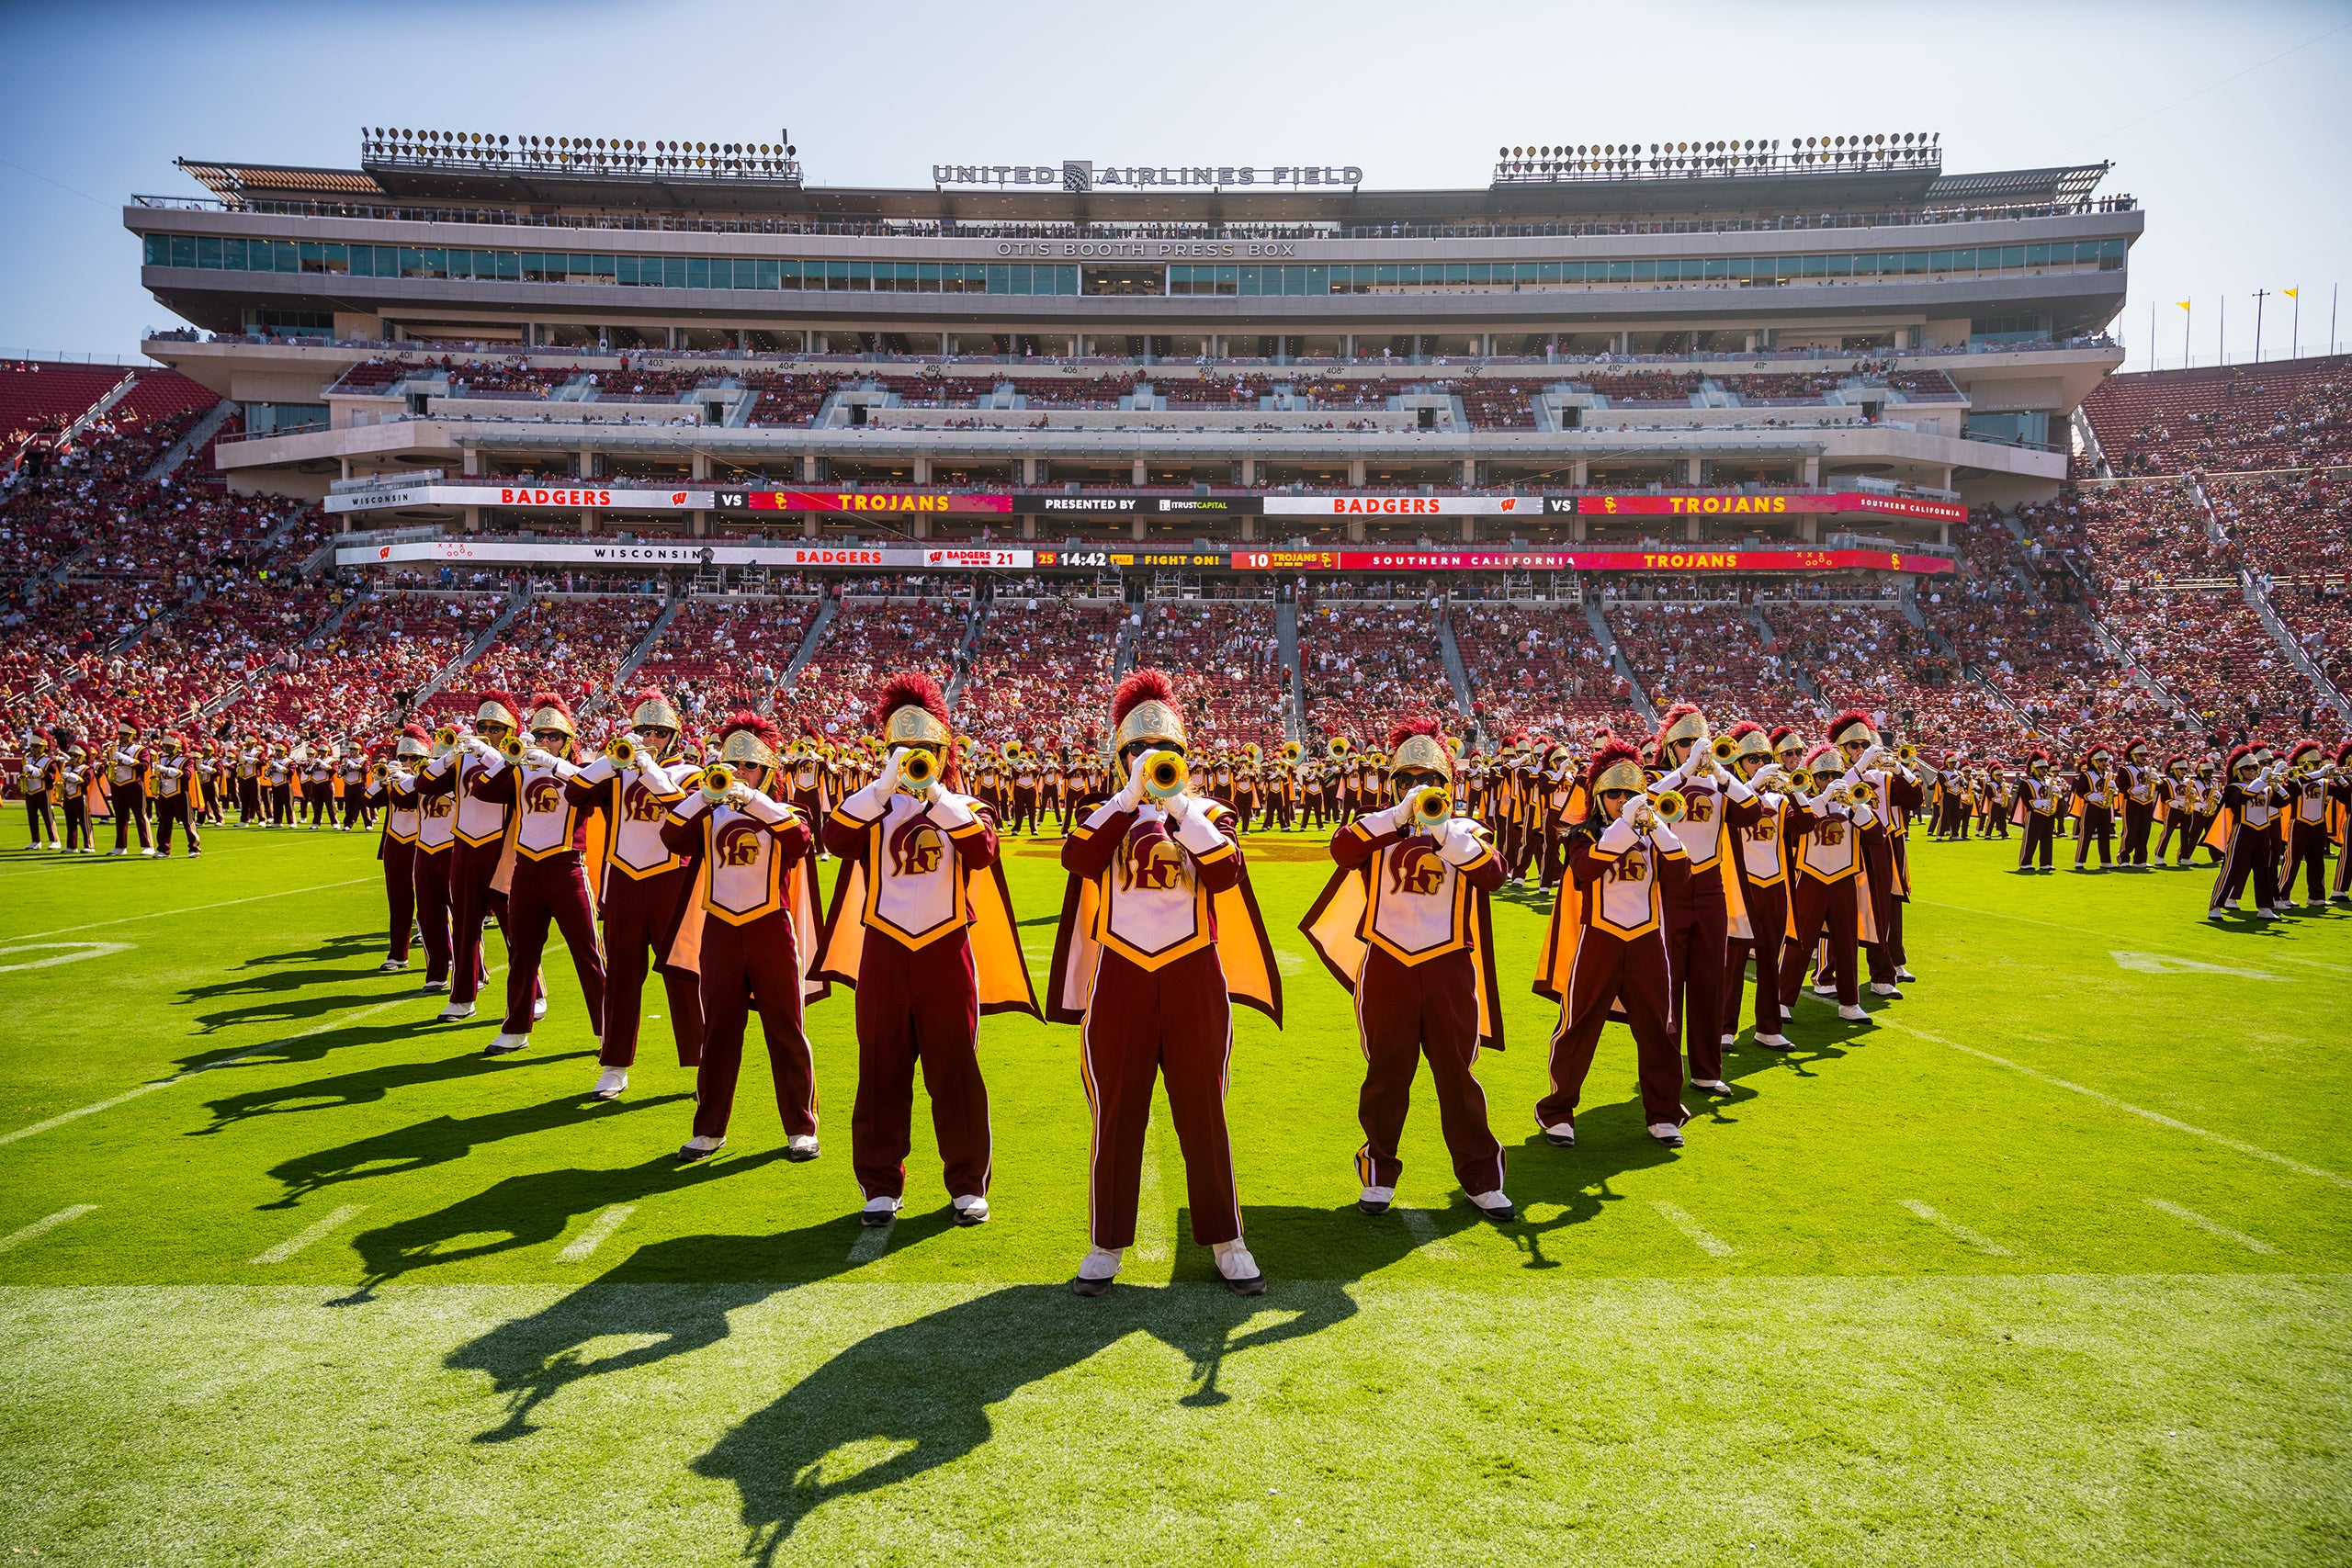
[2048,1265]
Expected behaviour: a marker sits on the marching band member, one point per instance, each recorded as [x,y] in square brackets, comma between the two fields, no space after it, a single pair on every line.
[2135,783]
[277,784]
[2037,805]
[250,757]
[1558,801]
[2308,784]
[75,771]
[2095,784]
[38,785]
[2251,803]
[1159,934]
[317,786]
[127,765]
[1756,888]
[1026,790]
[479,830]
[2175,794]
[1832,891]
[1894,794]
[742,935]
[178,778]
[394,783]
[1606,949]
[809,794]
[1405,927]
[922,928]
[647,887]
[545,861]
[434,872]
[358,803]
[1698,911]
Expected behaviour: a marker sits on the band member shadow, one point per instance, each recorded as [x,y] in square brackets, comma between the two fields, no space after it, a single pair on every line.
[344,1091]
[294,1009]
[661,1291]
[333,948]
[271,983]
[927,1387]
[308,1047]
[529,1211]
[433,1142]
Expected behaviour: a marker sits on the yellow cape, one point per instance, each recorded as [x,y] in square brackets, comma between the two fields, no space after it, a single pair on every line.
[995,935]
[1334,927]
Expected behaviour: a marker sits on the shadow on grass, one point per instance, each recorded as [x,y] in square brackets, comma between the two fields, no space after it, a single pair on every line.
[925,1387]
[345,1090]
[437,1141]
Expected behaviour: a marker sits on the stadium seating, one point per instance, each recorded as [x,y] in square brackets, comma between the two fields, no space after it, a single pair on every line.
[868,643]
[1536,668]
[2294,413]
[1711,654]
[1040,672]
[1368,665]
[1224,660]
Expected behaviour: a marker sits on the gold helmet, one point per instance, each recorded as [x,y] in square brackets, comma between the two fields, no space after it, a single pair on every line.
[409,746]
[745,747]
[1856,729]
[1625,773]
[1754,743]
[1691,727]
[654,713]
[553,718]
[492,711]
[1151,716]
[1425,754]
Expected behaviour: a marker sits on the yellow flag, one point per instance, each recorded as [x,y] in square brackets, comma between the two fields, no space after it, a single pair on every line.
[2288,293]
[2182,303]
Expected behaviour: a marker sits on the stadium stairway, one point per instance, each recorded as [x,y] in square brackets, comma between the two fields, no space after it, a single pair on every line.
[1605,636]
[1804,676]
[2260,603]
[973,621]
[1457,674]
[1286,640]
[179,451]
[2086,438]
[2121,653]
[1122,658]
[637,655]
[826,609]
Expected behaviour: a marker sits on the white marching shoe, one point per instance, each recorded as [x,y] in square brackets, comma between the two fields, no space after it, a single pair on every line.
[538,1008]
[971,1210]
[1775,1042]
[1237,1269]
[502,1042]
[1495,1206]
[391,967]
[1561,1135]
[1853,1015]
[1667,1133]
[699,1148]
[1713,1086]
[801,1147]
[878,1212]
[1096,1270]
[610,1082]
[1825,990]
[148,853]
[1881,988]
[1376,1199]
[1730,1041]
[1903,974]
[456,1012]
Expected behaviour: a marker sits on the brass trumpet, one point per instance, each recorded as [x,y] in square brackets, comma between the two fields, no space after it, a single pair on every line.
[718,782]
[1802,781]
[1166,775]
[622,749]
[445,737]
[1432,806]
[1670,806]
[1723,749]
[378,771]
[1339,748]
[917,770]
[513,748]
[1906,754]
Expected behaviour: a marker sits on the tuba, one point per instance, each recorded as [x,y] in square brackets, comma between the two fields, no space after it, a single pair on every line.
[1166,775]
[1251,753]
[1292,751]
[1339,748]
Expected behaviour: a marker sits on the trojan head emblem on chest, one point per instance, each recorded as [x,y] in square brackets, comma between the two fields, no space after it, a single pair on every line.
[1831,833]
[639,806]
[737,843]
[915,848]
[437,805]
[541,796]
[1150,859]
[1414,868]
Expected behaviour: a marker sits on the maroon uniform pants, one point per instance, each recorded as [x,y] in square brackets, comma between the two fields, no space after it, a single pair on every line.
[130,807]
[171,811]
[2040,832]
[745,967]
[1698,935]
[1767,917]
[399,896]
[1638,973]
[1175,1020]
[472,903]
[1816,906]
[919,1005]
[2307,851]
[1403,1014]
[641,917]
[2139,822]
[554,889]
[434,907]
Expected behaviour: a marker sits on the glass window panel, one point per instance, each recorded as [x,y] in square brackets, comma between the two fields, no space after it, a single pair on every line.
[1000,279]
[1644,272]
[1457,274]
[183,250]
[1551,272]
[208,251]
[790,275]
[626,274]
[1840,266]
[157,250]
[2037,256]
[1717,266]
[1939,261]
[1621,272]
[1250,281]
[1316,280]
[766,274]
[698,271]
[2110,255]
[1963,261]
[233,255]
[2012,258]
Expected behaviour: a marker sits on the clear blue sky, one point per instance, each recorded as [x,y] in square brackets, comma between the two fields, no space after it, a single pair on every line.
[2245,181]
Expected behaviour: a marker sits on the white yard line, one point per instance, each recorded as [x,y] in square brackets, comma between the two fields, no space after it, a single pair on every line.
[195,910]
[42,1228]
[1427,1236]
[2159,1117]
[62,1117]
[2211,1227]
[2263,954]
[598,1233]
[1982,1242]
[1712,1245]
[319,1232]
[870,1242]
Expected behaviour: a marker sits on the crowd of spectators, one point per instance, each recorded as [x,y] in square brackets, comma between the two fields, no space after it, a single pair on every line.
[1539,670]
[1716,657]
[865,645]
[1227,662]
[723,653]
[1040,672]
[1366,665]
[2285,414]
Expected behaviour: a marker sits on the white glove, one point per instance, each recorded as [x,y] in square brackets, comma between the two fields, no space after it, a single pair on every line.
[1130,797]
[539,757]
[1179,808]
[1633,804]
[887,780]
[1457,842]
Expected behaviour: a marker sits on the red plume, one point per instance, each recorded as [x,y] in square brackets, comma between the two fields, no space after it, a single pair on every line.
[504,699]
[417,732]
[1141,686]
[1672,716]
[909,688]
[1746,726]
[548,700]
[1404,729]
[1851,715]
[767,733]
